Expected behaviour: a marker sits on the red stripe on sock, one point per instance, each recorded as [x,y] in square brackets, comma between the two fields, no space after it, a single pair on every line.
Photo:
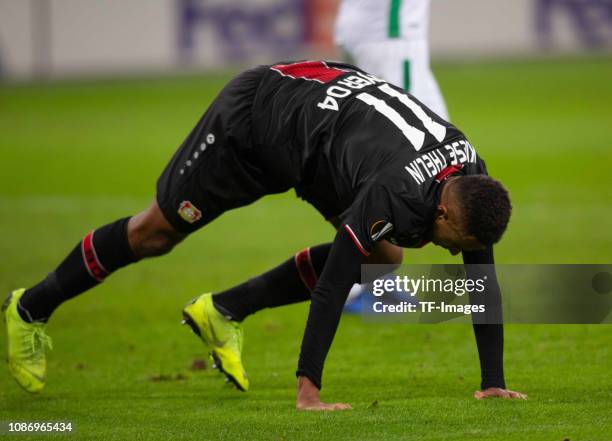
[90,258]
[305,269]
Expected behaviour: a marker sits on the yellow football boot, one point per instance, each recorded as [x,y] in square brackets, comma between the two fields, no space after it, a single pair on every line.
[26,346]
[222,336]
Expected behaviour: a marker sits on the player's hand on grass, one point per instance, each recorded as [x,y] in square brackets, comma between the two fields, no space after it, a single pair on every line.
[320,406]
[308,398]
[497,392]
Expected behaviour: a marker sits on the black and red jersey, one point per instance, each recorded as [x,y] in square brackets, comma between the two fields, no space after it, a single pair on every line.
[357,148]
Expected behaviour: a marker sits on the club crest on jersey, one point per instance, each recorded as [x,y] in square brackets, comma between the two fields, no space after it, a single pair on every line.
[189,212]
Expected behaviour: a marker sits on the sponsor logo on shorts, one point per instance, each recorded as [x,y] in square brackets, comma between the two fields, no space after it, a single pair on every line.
[189,212]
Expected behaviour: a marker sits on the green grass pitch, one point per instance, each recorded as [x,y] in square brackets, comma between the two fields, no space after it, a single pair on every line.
[76,155]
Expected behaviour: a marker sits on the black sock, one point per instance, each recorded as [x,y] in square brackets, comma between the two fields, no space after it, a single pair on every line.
[97,255]
[291,282]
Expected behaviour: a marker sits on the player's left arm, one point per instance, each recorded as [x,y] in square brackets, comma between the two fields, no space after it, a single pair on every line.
[488,327]
[341,271]
[354,241]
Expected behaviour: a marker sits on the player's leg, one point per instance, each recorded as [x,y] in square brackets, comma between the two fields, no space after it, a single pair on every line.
[418,79]
[186,184]
[378,58]
[412,55]
[291,282]
[402,63]
[216,318]
[402,58]
[216,170]
[97,255]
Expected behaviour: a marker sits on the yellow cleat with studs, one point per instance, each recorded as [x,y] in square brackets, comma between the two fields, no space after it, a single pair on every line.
[27,344]
[222,336]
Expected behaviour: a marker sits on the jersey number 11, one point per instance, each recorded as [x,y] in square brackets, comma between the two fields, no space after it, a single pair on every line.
[414,135]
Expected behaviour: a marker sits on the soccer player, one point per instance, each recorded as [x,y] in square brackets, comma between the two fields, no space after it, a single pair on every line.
[383,168]
[389,39]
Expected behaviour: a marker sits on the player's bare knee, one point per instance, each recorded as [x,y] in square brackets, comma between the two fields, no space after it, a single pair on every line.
[149,242]
[158,243]
[150,234]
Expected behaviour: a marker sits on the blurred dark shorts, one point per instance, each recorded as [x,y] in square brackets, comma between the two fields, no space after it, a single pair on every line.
[215,169]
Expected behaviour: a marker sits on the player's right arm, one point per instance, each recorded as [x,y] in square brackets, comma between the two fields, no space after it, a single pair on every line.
[488,327]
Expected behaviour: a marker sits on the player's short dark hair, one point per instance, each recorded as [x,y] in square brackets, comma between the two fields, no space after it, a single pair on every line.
[486,207]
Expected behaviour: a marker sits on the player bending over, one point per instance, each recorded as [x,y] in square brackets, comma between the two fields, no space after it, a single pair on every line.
[383,168]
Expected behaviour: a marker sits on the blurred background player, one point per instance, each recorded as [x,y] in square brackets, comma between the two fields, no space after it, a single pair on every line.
[389,38]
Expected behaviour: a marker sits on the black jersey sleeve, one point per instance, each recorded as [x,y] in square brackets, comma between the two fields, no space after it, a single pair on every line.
[341,271]
[370,217]
[368,220]
[488,327]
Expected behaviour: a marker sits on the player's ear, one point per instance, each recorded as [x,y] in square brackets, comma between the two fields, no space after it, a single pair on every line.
[441,212]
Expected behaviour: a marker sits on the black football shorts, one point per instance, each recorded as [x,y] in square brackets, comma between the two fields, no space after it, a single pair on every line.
[216,168]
